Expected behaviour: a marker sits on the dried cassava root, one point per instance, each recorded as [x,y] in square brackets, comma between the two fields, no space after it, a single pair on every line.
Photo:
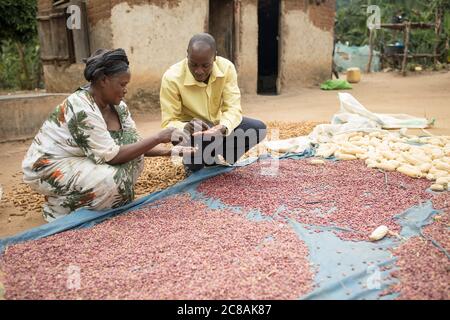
[379,233]
[425,157]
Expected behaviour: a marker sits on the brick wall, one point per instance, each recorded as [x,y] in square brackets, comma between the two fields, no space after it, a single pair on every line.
[160,3]
[296,5]
[307,29]
[98,10]
[101,9]
[306,42]
[320,12]
[322,15]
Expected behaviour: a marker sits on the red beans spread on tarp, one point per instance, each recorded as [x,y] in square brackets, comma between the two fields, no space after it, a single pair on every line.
[178,249]
[345,194]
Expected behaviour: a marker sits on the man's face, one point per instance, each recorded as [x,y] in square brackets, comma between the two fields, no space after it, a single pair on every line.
[201,61]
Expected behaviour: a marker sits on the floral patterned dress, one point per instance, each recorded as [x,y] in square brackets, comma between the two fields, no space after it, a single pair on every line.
[67,161]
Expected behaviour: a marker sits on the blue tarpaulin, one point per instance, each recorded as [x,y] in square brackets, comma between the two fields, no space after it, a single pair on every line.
[352,56]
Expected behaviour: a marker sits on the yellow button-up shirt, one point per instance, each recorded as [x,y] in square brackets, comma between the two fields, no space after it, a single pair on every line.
[184,98]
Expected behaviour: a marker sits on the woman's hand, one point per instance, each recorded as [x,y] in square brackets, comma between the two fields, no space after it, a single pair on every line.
[144,147]
[166,135]
[166,151]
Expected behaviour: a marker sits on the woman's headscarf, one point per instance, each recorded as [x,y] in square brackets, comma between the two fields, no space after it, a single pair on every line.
[105,62]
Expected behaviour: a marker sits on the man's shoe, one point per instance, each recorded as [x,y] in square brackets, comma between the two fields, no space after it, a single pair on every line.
[187,171]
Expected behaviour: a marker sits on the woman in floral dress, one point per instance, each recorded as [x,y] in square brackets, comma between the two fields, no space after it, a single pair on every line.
[88,152]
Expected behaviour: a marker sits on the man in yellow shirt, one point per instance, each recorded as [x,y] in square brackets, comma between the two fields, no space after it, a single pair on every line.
[200,95]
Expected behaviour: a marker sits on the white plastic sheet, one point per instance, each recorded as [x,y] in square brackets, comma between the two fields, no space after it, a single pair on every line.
[350,107]
[352,116]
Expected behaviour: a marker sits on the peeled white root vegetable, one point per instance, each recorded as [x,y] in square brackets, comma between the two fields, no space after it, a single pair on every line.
[379,233]
[425,167]
[317,161]
[437,187]
[371,163]
[440,165]
[410,171]
[388,154]
[441,184]
[416,159]
[326,150]
[430,176]
[438,173]
[443,180]
[344,156]
[387,165]
[348,148]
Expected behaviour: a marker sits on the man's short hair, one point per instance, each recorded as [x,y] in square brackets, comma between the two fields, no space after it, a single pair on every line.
[205,38]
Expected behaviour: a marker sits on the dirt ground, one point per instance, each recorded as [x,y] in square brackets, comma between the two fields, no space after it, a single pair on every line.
[418,95]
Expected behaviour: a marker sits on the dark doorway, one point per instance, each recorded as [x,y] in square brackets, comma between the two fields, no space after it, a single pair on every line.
[221,26]
[268,24]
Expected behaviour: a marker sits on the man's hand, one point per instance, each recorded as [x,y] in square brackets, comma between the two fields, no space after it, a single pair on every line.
[183,151]
[219,130]
[195,125]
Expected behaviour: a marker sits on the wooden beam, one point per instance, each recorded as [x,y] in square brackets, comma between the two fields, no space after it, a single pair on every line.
[413,25]
[437,30]
[81,36]
[50,16]
[405,54]
[369,64]
[55,58]
[237,32]
[413,55]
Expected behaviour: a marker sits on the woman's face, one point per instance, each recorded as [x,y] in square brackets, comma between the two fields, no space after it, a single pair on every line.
[115,87]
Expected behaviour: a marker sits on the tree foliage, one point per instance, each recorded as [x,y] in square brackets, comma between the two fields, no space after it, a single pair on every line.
[19,46]
[18,20]
[351,19]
